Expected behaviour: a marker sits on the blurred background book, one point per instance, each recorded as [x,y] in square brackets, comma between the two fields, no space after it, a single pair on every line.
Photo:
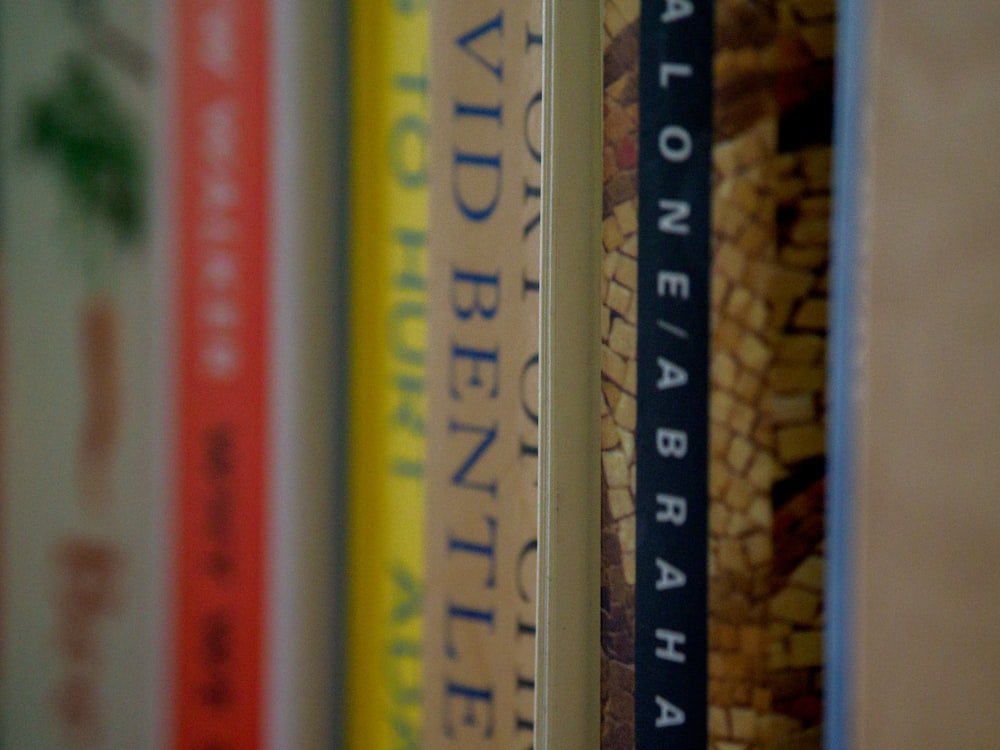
[169,388]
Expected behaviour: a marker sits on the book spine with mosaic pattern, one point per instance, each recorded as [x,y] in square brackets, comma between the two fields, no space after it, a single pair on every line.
[713,371]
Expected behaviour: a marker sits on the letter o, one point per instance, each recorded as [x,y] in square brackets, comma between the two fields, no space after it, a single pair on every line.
[409,129]
[675,143]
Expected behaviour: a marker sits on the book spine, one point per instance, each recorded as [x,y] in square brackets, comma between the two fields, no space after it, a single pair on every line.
[223,462]
[712,434]
[482,374]
[81,417]
[915,395]
[388,351]
[674,234]
[655,353]
[570,612]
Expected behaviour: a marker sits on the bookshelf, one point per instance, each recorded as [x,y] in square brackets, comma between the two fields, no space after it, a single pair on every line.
[846,594]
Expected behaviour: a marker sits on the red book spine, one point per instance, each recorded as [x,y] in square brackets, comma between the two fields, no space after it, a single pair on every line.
[222,183]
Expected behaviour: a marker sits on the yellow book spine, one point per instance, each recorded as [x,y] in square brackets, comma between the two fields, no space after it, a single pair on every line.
[388,342]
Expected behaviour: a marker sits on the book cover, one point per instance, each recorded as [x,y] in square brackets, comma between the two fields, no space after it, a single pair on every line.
[714,317]
[166,365]
[388,352]
[483,374]
[82,416]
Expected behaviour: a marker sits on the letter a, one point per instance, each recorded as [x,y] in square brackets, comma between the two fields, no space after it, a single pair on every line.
[677,9]
[671,375]
[670,715]
[670,577]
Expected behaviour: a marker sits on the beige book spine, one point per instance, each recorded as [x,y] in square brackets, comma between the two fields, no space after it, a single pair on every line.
[482,374]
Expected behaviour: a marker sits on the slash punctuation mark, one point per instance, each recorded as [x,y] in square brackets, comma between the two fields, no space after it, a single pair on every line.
[672,329]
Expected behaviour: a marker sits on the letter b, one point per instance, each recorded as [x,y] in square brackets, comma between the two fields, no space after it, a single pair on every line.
[474,294]
[671,443]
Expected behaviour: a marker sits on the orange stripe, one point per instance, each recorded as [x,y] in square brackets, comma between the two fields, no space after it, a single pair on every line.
[223,89]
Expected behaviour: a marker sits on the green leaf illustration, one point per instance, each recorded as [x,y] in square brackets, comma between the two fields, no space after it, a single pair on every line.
[82,129]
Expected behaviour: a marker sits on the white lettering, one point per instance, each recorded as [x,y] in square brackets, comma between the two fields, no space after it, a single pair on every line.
[675,213]
[669,69]
[672,639]
[220,270]
[671,443]
[670,715]
[217,49]
[220,358]
[677,284]
[671,375]
[220,129]
[676,9]
[673,510]
[675,143]
[672,329]
[670,577]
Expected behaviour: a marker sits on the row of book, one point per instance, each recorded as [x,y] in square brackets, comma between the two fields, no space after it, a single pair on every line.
[479,375]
